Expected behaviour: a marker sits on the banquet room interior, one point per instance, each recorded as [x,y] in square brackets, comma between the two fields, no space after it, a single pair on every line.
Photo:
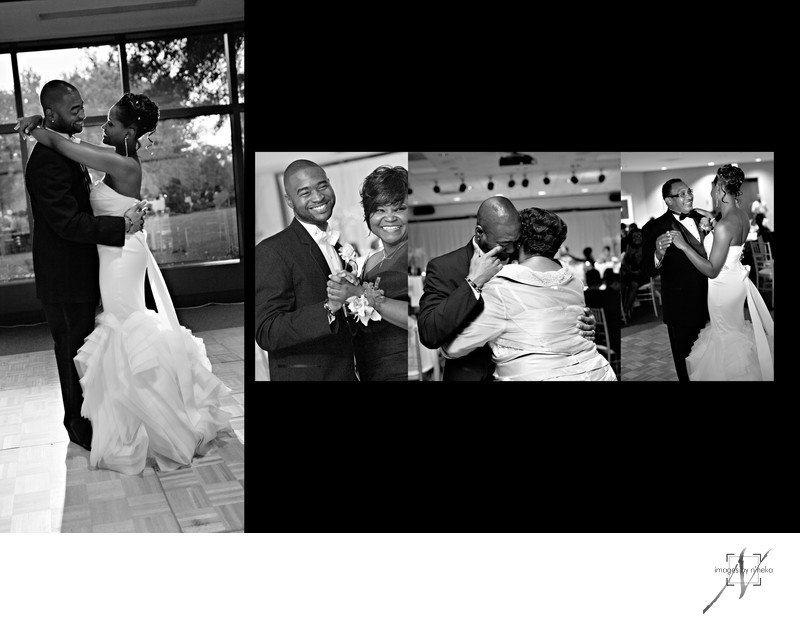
[446,189]
[189,58]
[346,171]
[645,343]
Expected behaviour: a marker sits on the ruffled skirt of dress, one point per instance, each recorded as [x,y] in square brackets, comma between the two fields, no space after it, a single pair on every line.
[729,348]
[149,392]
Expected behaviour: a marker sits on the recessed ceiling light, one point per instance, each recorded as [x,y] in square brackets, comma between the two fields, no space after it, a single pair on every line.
[542,192]
[734,164]
[711,164]
[758,159]
[663,168]
[456,199]
[584,190]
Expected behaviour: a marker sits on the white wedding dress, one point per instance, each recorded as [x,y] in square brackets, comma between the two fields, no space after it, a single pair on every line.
[147,382]
[729,347]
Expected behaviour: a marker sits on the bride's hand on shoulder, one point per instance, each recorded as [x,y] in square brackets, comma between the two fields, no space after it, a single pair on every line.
[27,124]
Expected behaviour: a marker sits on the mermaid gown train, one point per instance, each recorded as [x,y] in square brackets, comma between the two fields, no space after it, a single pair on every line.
[729,348]
[147,382]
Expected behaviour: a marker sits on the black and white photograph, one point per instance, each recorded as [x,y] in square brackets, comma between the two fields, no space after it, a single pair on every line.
[698,266]
[514,266]
[121,278]
[331,291]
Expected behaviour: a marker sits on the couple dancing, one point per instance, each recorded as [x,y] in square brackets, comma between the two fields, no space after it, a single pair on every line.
[134,383]
[698,285]
[495,320]
[318,317]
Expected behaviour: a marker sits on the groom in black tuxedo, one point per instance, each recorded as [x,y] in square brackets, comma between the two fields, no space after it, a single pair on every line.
[65,238]
[305,334]
[684,289]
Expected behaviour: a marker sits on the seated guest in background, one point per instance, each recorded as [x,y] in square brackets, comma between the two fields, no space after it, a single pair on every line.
[764,233]
[626,238]
[588,258]
[605,256]
[631,270]
[530,328]
[608,300]
[611,280]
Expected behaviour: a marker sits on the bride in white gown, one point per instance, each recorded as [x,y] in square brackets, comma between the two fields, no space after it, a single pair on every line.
[730,348]
[147,382]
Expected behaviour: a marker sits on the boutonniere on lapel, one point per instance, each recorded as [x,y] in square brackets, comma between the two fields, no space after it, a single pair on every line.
[706,225]
[349,255]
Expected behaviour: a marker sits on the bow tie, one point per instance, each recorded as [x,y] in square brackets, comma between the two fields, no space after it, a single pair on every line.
[692,214]
[331,236]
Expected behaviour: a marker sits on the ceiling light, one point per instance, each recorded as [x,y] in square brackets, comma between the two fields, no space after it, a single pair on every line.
[490,185]
[573,179]
[758,159]
[584,190]
[663,168]
[436,188]
[711,164]
[542,193]
[456,199]
[524,180]
[511,182]
[546,179]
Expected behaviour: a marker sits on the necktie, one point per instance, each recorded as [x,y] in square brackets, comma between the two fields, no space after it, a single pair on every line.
[327,241]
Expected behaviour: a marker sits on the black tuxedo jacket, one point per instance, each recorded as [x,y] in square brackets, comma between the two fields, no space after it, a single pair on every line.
[65,233]
[291,323]
[447,305]
[684,289]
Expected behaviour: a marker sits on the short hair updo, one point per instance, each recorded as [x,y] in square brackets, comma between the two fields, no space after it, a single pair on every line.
[542,232]
[385,186]
[732,179]
[138,111]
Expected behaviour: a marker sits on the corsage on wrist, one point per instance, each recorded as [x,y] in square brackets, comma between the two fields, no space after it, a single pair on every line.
[363,307]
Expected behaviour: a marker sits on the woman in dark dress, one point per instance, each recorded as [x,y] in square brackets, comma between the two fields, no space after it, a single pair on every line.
[381,346]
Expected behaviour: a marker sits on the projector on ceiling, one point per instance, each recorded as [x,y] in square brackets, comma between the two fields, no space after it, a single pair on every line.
[515,159]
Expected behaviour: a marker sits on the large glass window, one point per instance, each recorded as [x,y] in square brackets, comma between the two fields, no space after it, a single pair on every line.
[189,171]
[180,72]
[93,70]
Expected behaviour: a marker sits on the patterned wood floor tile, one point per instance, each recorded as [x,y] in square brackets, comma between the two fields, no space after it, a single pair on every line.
[46,484]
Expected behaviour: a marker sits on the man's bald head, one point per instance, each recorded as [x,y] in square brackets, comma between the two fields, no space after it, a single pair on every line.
[498,224]
[497,208]
[295,167]
[53,92]
[62,107]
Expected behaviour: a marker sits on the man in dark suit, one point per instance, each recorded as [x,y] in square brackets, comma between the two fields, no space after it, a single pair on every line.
[451,296]
[684,289]
[65,238]
[306,335]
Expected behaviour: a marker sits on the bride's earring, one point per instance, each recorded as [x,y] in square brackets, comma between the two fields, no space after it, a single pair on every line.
[126,146]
